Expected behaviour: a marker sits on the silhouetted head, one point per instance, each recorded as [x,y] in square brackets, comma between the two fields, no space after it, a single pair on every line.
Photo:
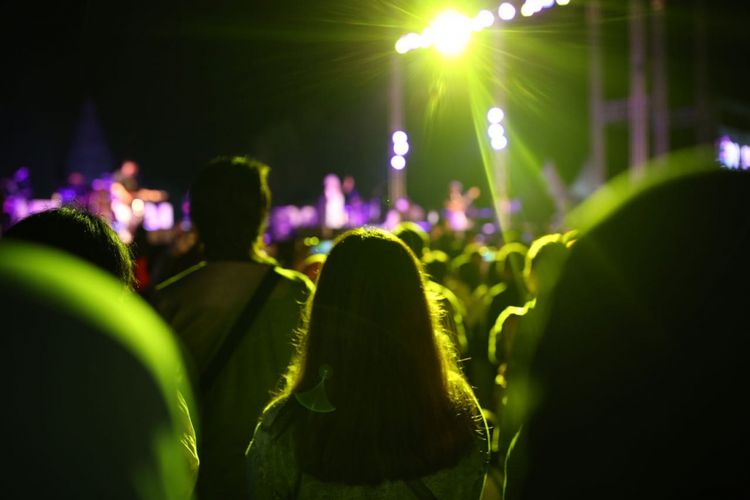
[129,168]
[92,376]
[509,262]
[229,203]
[414,236]
[80,233]
[370,306]
[467,268]
[544,261]
[437,265]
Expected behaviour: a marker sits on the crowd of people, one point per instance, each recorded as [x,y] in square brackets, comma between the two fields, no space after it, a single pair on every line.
[402,362]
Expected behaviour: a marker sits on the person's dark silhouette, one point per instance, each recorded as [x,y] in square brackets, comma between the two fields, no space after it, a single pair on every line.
[635,389]
[510,290]
[92,381]
[229,203]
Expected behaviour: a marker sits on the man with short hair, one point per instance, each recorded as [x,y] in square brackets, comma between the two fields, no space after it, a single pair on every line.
[229,204]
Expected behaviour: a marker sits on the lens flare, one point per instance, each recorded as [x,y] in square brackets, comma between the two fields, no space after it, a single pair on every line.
[450,33]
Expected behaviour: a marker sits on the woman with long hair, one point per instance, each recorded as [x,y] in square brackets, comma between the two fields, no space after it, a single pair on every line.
[374,404]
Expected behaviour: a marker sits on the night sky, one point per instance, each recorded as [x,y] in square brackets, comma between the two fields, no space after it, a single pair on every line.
[304,86]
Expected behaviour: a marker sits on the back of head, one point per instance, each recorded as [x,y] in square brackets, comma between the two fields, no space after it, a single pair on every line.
[467,268]
[509,261]
[544,261]
[371,322]
[370,291]
[414,236]
[80,233]
[229,203]
[643,359]
[437,265]
[90,384]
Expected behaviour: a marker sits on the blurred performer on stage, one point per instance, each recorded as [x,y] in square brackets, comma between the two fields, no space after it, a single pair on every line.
[334,210]
[357,211]
[129,198]
[457,204]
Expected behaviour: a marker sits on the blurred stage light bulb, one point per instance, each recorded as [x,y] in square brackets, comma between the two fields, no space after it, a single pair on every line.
[495,115]
[499,143]
[548,3]
[506,11]
[408,42]
[399,136]
[398,162]
[495,131]
[449,33]
[401,148]
[527,9]
[402,45]
[563,2]
[484,19]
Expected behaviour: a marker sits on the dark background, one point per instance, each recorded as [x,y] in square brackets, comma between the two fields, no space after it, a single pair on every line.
[304,87]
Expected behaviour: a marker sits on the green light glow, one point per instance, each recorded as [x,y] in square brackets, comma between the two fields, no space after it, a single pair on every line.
[450,33]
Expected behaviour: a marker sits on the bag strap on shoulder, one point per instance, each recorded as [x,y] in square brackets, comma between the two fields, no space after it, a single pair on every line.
[240,327]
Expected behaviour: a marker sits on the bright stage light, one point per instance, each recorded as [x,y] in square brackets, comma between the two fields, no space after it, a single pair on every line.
[563,2]
[399,136]
[484,19]
[527,9]
[398,162]
[402,45]
[450,33]
[495,115]
[401,148]
[506,11]
[499,143]
[496,131]
[408,42]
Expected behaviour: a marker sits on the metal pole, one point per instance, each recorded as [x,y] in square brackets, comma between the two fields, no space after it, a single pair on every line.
[660,106]
[502,202]
[637,101]
[396,178]
[596,93]
[703,120]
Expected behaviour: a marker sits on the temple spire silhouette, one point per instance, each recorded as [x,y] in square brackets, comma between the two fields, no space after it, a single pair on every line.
[89,152]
